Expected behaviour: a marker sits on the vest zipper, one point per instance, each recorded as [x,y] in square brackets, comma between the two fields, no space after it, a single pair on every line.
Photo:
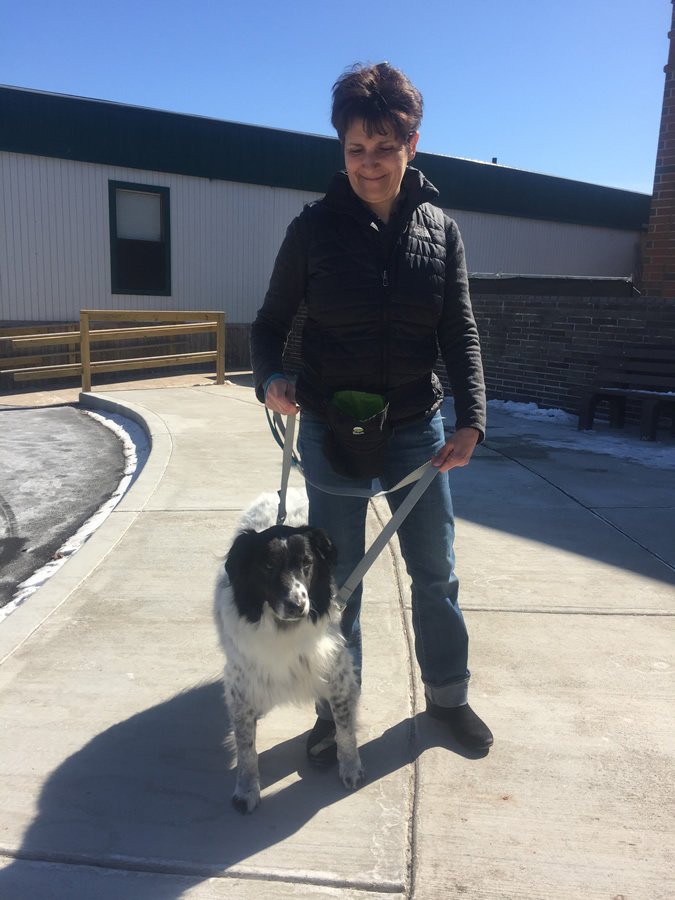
[386,314]
[385,360]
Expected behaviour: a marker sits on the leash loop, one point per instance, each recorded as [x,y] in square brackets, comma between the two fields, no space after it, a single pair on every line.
[423,476]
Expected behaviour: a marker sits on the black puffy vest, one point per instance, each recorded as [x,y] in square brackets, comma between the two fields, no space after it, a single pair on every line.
[372,311]
[378,306]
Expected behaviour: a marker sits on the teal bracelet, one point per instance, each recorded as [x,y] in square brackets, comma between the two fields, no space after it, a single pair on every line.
[272,378]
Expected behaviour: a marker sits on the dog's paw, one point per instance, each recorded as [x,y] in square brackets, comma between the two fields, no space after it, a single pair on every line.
[352,774]
[245,801]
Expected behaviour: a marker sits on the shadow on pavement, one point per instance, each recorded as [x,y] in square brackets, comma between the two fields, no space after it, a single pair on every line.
[617,513]
[153,794]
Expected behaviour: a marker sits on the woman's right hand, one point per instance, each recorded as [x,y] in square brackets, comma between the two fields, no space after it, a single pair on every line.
[280,397]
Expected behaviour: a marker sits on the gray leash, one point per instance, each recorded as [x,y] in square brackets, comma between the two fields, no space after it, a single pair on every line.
[424,475]
[383,538]
[286,466]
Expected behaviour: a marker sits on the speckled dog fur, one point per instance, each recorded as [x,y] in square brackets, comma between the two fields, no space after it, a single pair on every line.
[279,625]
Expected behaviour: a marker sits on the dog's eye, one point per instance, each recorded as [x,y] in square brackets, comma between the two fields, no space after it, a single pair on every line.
[269,567]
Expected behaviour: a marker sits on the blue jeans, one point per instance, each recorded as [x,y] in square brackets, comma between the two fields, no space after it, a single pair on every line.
[426,538]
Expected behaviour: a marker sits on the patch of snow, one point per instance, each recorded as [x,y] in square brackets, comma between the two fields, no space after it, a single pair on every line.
[532,411]
[557,428]
[136,449]
[643,452]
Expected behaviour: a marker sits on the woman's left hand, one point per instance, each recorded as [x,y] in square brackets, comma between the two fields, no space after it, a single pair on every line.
[457,451]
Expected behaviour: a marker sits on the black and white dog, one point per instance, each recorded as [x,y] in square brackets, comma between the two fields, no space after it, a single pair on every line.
[279,625]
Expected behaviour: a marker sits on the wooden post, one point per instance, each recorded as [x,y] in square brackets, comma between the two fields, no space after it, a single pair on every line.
[220,348]
[85,354]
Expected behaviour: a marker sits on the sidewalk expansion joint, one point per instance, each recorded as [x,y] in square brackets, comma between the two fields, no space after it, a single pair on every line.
[414,702]
[206,388]
[571,611]
[591,510]
[186,869]
[186,510]
[668,506]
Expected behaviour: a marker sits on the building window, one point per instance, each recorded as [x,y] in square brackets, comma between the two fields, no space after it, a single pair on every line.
[140,251]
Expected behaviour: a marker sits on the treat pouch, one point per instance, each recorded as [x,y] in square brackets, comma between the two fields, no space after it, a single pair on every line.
[357,433]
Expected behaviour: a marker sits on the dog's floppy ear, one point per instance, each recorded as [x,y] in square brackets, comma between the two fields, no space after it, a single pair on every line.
[322,545]
[240,553]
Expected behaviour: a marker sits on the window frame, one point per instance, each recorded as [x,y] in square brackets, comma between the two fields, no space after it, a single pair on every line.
[165,224]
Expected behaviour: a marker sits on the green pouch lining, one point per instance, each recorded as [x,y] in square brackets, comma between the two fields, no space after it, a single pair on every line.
[359,404]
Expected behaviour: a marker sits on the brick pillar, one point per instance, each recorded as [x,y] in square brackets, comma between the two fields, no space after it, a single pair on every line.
[658,262]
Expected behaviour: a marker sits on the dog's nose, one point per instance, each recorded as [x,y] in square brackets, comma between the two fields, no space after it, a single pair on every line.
[296,604]
[292,609]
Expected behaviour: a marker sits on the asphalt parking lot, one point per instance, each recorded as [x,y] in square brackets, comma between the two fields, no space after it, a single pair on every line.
[58,465]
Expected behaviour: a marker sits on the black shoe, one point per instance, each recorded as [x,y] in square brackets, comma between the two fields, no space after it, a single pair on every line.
[466,727]
[321,744]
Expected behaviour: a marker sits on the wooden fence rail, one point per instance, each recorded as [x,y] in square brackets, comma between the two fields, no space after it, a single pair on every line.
[188,323]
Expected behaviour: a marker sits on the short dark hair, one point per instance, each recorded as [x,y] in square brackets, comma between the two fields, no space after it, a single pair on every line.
[381,96]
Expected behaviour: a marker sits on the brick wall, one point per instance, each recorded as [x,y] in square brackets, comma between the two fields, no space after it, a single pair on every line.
[658,245]
[544,349]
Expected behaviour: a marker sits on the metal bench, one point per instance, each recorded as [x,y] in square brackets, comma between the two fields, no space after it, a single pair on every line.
[644,374]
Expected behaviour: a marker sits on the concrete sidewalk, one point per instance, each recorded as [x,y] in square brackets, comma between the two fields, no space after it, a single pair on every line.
[115,782]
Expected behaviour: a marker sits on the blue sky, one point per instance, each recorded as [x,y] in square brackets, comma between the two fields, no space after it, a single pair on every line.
[570,88]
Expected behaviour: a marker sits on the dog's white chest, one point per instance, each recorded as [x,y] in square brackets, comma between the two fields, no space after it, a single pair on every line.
[273,667]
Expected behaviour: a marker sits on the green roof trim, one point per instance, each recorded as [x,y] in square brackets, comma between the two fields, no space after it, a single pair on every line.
[99,131]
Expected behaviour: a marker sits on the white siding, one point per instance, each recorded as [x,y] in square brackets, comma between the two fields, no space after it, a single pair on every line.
[514,246]
[55,241]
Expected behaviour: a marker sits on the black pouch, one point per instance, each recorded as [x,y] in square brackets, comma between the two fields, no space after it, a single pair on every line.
[357,433]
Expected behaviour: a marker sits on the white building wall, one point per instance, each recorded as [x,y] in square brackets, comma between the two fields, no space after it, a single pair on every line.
[510,245]
[55,241]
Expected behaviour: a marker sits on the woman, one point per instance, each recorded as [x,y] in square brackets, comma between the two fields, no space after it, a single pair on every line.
[382,273]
